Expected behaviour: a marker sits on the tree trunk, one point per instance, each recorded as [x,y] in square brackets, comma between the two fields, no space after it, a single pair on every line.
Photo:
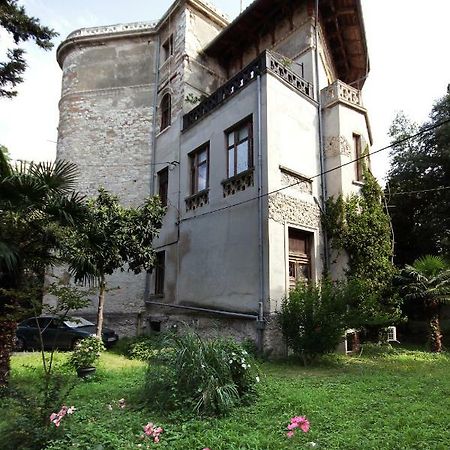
[101,303]
[7,337]
[435,328]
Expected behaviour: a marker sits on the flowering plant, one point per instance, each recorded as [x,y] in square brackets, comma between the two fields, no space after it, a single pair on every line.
[298,422]
[153,432]
[86,352]
[56,418]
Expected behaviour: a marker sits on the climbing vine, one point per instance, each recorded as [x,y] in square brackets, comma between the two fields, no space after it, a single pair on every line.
[360,226]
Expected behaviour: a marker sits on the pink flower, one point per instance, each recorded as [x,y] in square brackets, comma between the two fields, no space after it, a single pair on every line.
[56,418]
[153,432]
[298,422]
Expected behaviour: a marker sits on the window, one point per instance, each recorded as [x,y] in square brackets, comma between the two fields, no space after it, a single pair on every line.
[166,111]
[359,163]
[199,161]
[163,182]
[167,48]
[299,256]
[159,273]
[240,148]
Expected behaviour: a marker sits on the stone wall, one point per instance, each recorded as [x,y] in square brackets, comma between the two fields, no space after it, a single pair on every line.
[105,127]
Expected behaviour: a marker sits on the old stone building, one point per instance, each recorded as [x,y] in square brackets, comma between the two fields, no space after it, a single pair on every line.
[235,126]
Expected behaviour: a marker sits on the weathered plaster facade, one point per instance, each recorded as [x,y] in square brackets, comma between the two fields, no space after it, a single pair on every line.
[175,100]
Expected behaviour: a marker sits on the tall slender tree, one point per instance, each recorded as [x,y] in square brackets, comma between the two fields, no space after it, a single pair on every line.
[112,236]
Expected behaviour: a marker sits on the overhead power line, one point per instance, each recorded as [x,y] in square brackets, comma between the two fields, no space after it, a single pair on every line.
[387,147]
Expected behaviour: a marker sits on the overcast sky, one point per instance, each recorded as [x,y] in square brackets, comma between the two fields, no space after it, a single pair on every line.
[408,44]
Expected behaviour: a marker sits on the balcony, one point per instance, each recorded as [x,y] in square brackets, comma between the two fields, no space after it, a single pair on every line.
[266,62]
[341,92]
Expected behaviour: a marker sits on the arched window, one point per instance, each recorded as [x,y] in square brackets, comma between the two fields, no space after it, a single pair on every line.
[166,111]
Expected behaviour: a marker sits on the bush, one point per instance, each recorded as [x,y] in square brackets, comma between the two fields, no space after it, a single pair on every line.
[86,352]
[313,318]
[210,377]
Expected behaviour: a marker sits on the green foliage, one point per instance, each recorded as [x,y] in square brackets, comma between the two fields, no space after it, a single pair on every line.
[109,237]
[428,281]
[36,204]
[314,318]
[208,376]
[360,226]
[421,221]
[86,352]
[15,21]
[352,403]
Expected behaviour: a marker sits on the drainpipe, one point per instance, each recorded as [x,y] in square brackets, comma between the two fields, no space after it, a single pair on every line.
[153,141]
[260,323]
[323,184]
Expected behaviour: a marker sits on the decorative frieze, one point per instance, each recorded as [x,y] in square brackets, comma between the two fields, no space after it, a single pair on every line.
[197,200]
[239,182]
[283,208]
[295,181]
[337,145]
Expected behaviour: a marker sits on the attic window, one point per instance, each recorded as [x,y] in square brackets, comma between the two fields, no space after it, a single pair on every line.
[167,48]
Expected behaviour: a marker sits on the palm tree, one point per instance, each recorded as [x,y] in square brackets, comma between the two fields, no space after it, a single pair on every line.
[36,200]
[428,281]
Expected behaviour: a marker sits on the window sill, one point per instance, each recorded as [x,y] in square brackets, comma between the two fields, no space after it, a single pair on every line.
[239,182]
[358,183]
[164,130]
[197,200]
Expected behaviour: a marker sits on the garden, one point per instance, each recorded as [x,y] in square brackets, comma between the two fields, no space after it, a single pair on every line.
[384,398]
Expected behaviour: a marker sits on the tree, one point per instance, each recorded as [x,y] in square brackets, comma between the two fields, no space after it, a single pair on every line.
[421,220]
[111,237]
[359,225]
[36,200]
[428,281]
[16,22]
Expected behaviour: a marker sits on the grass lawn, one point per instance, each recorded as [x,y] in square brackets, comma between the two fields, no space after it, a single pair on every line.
[396,400]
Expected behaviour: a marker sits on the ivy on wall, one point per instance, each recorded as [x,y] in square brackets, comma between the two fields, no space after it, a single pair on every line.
[360,226]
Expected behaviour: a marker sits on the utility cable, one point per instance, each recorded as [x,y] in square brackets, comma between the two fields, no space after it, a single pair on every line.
[387,147]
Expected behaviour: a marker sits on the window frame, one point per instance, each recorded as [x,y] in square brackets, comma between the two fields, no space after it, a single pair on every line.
[168,47]
[297,258]
[246,122]
[359,160]
[163,185]
[194,168]
[166,111]
[160,271]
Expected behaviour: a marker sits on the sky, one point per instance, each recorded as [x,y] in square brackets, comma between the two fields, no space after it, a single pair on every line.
[408,42]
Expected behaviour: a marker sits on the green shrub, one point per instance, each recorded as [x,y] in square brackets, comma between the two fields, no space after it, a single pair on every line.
[313,318]
[208,376]
[86,352]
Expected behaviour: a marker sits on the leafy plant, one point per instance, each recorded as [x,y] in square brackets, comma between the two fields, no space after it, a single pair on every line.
[313,319]
[428,281]
[87,351]
[209,376]
[360,226]
[417,184]
[110,237]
